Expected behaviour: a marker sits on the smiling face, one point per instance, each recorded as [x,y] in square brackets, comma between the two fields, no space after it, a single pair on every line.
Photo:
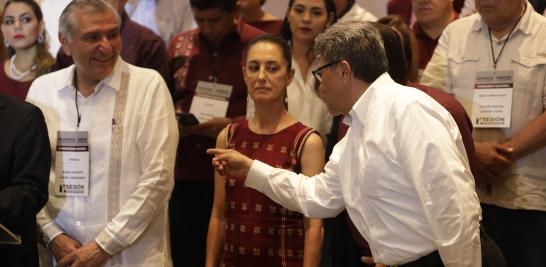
[20,26]
[94,45]
[266,73]
[308,18]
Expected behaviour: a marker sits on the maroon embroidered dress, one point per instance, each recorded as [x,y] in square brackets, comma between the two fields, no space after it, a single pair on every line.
[260,232]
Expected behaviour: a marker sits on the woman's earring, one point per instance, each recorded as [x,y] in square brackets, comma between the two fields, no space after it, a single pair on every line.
[41,38]
[6,43]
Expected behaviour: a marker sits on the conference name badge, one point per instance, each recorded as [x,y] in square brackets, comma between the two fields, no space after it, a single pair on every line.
[210,100]
[492,99]
[72,164]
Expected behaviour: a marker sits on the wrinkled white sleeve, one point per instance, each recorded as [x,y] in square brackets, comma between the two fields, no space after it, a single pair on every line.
[439,170]
[317,197]
[49,229]
[157,141]
[436,72]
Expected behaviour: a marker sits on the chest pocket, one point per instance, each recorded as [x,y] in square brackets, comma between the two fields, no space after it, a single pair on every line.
[530,74]
[462,65]
[461,75]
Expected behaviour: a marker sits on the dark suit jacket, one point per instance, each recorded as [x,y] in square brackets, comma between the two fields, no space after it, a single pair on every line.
[25,160]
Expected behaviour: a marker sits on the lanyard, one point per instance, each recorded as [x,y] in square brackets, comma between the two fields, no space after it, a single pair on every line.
[495,60]
[75,82]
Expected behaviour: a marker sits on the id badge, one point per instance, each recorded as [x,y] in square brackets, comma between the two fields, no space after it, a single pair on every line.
[492,99]
[210,100]
[72,164]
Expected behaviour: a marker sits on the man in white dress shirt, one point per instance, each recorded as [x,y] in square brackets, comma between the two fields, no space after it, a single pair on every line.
[401,171]
[113,129]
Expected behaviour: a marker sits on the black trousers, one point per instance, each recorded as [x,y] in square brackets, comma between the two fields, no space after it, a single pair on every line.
[340,249]
[520,234]
[189,213]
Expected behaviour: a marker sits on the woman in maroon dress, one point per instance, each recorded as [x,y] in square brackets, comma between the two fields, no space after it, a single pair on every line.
[246,227]
[24,35]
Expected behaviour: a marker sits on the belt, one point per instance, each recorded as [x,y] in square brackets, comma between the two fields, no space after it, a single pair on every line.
[431,260]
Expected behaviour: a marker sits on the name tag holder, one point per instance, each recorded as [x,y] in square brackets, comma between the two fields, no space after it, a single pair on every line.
[210,100]
[72,164]
[492,99]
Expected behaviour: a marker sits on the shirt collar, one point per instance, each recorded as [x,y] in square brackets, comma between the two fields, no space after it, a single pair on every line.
[359,111]
[524,24]
[112,81]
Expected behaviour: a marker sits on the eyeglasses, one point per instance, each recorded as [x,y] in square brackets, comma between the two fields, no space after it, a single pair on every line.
[318,72]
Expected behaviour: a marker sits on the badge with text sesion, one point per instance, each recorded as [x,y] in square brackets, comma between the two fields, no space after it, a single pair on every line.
[72,164]
[492,100]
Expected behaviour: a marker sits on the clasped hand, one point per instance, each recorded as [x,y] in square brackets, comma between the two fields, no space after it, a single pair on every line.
[70,252]
[493,159]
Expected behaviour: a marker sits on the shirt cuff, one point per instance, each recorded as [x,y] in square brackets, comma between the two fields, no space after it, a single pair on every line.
[258,175]
[49,232]
[109,243]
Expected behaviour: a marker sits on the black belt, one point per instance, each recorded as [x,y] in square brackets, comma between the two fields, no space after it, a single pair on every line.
[431,260]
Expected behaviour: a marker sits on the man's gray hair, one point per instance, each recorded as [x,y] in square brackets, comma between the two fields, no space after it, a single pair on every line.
[67,23]
[359,43]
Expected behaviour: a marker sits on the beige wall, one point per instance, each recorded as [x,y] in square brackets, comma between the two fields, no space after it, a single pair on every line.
[377,7]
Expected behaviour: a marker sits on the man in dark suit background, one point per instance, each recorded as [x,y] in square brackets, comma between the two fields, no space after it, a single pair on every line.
[25,159]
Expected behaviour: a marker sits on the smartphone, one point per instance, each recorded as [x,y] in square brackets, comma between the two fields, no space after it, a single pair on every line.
[187,119]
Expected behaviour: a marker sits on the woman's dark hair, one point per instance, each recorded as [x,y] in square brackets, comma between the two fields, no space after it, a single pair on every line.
[276,40]
[395,53]
[409,44]
[43,59]
[285,30]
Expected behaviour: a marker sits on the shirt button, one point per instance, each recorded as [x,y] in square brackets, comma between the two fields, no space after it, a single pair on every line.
[214,54]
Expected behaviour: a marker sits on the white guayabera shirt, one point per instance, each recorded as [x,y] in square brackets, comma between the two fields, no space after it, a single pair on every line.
[131,163]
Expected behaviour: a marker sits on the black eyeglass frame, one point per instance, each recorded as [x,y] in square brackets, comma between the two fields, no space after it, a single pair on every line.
[318,72]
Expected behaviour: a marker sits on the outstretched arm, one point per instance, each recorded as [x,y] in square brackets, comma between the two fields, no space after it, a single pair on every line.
[319,197]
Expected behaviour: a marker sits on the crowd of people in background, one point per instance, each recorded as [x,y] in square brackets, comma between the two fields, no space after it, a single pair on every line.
[133,94]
